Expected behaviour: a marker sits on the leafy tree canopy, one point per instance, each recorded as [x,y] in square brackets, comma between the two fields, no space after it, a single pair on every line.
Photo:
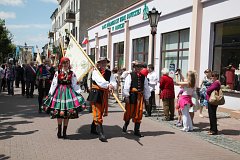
[6,45]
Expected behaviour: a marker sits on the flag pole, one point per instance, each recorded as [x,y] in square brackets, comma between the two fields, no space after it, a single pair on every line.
[116,98]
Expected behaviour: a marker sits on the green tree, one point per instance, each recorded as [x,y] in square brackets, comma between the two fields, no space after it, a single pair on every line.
[6,45]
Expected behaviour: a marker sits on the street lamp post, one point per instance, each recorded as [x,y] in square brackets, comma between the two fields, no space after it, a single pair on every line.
[153,17]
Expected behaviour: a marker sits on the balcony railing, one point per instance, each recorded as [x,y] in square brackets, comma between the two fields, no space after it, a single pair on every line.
[70,17]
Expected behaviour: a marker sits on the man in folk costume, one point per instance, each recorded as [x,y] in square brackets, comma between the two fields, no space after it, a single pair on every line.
[45,74]
[135,90]
[98,96]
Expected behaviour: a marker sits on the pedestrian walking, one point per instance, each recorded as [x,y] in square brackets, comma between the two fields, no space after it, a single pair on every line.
[30,74]
[122,78]
[44,76]
[64,100]
[1,77]
[152,82]
[18,75]
[185,100]
[98,96]
[212,109]
[206,82]
[23,79]
[167,95]
[116,76]
[135,90]
[4,81]
[10,77]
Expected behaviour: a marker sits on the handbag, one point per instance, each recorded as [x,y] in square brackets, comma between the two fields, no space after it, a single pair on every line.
[217,98]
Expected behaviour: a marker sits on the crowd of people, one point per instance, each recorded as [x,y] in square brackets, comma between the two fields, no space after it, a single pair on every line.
[59,93]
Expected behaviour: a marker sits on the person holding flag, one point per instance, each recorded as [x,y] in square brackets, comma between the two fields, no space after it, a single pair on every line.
[98,96]
[102,81]
[135,90]
[64,99]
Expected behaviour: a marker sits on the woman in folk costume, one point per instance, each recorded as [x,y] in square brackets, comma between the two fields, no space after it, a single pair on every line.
[64,100]
[135,91]
[98,97]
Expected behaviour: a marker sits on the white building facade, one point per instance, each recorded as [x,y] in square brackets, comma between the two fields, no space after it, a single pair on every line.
[64,18]
[191,35]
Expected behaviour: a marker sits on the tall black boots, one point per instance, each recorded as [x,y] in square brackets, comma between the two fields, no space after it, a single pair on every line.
[124,129]
[137,131]
[93,128]
[64,132]
[100,133]
[59,133]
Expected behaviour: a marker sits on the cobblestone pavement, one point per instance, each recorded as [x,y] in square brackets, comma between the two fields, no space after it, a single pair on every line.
[227,138]
[25,134]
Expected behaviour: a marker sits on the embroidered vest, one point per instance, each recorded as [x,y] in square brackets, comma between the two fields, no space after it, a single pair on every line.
[137,81]
[62,79]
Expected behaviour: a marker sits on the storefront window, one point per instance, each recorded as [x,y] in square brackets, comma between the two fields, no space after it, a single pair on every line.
[92,54]
[226,57]
[175,51]
[103,51]
[118,55]
[140,49]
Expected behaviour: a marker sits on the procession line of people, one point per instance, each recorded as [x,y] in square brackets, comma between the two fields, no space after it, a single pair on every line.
[63,99]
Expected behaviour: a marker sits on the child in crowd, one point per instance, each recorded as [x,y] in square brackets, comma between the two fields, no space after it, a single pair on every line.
[185,101]
[179,121]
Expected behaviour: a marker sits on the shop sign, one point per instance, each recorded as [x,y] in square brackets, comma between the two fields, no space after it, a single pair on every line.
[118,23]
[145,12]
[171,70]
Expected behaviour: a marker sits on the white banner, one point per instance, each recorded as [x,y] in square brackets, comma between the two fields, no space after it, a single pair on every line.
[78,61]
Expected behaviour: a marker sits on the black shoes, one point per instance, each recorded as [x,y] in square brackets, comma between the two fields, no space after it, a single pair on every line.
[64,132]
[124,129]
[102,137]
[137,131]
[168,119]
[59,133]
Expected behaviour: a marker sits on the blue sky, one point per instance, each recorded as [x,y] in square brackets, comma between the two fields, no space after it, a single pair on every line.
[28,20]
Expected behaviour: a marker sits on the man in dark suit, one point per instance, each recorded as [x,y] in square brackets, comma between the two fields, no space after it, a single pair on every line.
[30,75]
[23,79]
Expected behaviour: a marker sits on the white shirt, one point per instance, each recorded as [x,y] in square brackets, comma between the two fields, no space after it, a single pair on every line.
[74,84]
[127,85]
[152,80]
[124,75]
[101,82]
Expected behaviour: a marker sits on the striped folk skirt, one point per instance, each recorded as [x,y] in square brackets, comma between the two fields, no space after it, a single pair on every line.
[64,103]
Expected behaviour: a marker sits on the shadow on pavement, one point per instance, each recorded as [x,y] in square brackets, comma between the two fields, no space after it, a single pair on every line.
[230,132]
[83,133]
[202,126]
[8,131]
[20,106]
[3,157]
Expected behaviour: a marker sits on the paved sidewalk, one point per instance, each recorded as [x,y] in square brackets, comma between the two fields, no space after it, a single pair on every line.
[229,128]
[25,134]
